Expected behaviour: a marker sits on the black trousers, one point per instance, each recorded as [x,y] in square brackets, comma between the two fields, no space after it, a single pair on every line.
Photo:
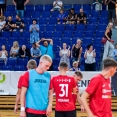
[2,6]
[35,115]
[90,67]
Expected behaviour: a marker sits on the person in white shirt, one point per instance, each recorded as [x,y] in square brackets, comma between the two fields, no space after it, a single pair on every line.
[2,23]
[90,58]
[57,5]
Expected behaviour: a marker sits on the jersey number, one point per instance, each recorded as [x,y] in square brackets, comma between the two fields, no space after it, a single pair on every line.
[64,89]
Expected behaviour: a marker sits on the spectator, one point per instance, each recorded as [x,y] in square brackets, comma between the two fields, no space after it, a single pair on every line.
[34,31]
[75,67]
[98,4]
[20,4]
[4,53]
[2,23]
[19,24]
[35,52]
[14,52]
[108,46]
[57,5]
[114,54]
[81,17]
[90,58]
[76,51]
[2,6]
[72,17]
[65,54]
[24,52]
[9,24]
[61,17]
[111,10]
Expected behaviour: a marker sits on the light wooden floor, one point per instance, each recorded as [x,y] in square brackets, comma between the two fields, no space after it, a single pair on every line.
[10,113]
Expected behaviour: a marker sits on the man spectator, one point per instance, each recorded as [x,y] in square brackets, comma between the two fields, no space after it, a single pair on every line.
[20,4]
[57,5]
[19,24]
[81,17]
[111,10]
[2,7]
[34,31]
[35,52]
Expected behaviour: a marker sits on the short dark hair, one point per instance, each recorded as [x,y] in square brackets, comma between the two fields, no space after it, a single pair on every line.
[109,62]
[34,20]
[116,44]
[63,65]
[78,73]
[32,64]
[18,15]
[34,44]
[88,46]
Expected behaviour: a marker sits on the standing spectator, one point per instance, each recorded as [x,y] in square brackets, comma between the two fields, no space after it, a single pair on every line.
[72,17]
[90,58]
[4,53]
[20,4]
[35,52]
[57,5]
[24,52]
[76,51]
[62,17]
[114,54]
[108,46]
[65,54]
[2,23]
[14,52]
[81,17]
[75,67]
[19,24]
[34,31]
[9,24]
[2,7]
[111,10]
[98,4]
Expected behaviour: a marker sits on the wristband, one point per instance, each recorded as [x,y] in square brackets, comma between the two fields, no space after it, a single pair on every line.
[22,109]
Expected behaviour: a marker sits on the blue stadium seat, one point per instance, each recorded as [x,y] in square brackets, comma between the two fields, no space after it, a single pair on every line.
[14,13]
[57,56]
[82,68]
[19,68]
[50,27]
[16,34]
[93,20]
[66,40]
[104,13]
[48,7]
[78,34]
[47,34]
[22,61]
[7,68]
[70,27]
[87,40]
[42,21]
[52,21]
[91,27]
[8,13]
[99,34]
[80,27]
[67,6]
[101,27]
[87,7]
[42,27]
[39,7]
[60,27]
[27,14]
[13,39]
[57,34]
[8,46]
[3,40]
[27,27]
[56,61]
[26,20]
[2,63]
[68,34]
[77,7]
[103,20]
[45,14]
[12,61]
[41,34]
[89,33]
[26,34]
[36,14]
[6,34]
[54,14]
[10,8]
[94,13]
[29,7]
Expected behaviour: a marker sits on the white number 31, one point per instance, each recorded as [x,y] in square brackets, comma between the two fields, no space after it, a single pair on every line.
[64,89]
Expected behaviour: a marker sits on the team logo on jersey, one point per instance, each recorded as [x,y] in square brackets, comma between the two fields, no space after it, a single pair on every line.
[64,80]
[2,77]
[40,81]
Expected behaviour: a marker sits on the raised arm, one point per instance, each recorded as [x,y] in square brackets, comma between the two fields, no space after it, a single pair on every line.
[26,2]
[50,40]
[38,43]
[14,2]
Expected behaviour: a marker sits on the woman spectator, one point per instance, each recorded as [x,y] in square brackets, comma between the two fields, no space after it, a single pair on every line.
[9,24]
[72,17]
[108,46]
[76,51]
[34,32]
[4,54]
[2,23]
[24,52]
[75,67]
[90,58]
[65,54]
[14,52]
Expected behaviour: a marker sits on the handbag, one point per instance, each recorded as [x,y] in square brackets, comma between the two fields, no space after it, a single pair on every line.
[103,41]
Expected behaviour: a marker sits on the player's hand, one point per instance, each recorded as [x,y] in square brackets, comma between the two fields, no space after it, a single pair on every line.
[82,108]
[22,114]
[49,110]
[16,109]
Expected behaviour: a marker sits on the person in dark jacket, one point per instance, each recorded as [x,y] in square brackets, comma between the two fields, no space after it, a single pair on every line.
[114,83]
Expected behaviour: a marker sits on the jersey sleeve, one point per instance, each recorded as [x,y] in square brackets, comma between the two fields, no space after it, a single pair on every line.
[25,80]
[93,85]
[19,82]
[74,83]
[51,84]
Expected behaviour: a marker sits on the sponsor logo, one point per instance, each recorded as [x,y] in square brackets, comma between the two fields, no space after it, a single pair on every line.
[2,78]
[40,81]
[63,100]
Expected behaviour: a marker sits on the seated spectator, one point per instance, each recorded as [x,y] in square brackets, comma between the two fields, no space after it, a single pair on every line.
[81,17]
[19,24]
[2,23]
[14,52]
[34,31]
[72,17]
[75,67]
[114,53]
[9,24]
[4,53]
[57,5]
[65,54]
[90,58]
[35,51]
[61,17]
[24,52]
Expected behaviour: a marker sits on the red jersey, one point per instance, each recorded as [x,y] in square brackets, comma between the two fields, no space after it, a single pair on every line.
[63,88]
[100,96]
[20,81]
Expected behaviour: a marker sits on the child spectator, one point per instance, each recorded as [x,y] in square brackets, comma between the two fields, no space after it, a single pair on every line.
[75,67]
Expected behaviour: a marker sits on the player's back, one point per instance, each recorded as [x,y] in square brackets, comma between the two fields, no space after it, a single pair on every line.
[63,87]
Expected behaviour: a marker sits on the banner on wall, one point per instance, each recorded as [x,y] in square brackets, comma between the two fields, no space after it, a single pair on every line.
[4,82]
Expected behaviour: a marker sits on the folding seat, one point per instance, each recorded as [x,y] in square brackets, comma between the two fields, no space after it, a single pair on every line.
[23,42]
[3,41]
[19,68]
[7,68]
[39,7]
[50,27]
[48,7]
[70,27]
[66,40]
[60,27]
[94,13]
[52,21]
[77,7]
[45,14]
[27,14]
[103,20]
[57,56]
[47,34]
[26,20]
[42,27]
[6,34]
[42,21]
[89,33]
[41,33]
[56,60]
[12,61]
[57,34]
[27,27]
[26,34]
[16,34]
[87,40]
[68,34]
[104,13]
[13,39]
[99,34]
[22,61]
[8,46]
[93,20]
[14,13]
[91,27]
[29,7]
[67,6]
[55,14]
[78,34]
[87,7]
[101,27]
[80,27]
[10,8]
[82,68]
[8,13]
[36,14]
[87,13]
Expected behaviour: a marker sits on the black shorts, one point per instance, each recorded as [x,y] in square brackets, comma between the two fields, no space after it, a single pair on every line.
[111,14]
[35,115]
[65,113]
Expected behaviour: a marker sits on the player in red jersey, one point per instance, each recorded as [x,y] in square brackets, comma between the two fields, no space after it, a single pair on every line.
[30,65]
[99,91]
[64,86]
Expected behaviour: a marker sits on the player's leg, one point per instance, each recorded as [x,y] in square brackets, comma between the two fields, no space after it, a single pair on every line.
[70,113]
[59,114]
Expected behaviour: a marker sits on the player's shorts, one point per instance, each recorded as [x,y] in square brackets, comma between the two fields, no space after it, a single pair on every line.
[35,115]
[65,113]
